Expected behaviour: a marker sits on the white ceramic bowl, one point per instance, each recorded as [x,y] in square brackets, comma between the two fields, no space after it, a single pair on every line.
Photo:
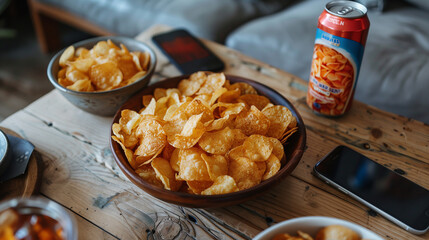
[312,225]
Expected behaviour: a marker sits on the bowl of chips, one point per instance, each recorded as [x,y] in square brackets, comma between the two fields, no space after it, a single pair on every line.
[207,140]
[318,228]
[99,74]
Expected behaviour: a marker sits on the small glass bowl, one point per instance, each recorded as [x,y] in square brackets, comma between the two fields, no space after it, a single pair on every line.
[27,216]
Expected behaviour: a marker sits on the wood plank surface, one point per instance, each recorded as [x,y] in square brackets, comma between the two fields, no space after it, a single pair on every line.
[82,176]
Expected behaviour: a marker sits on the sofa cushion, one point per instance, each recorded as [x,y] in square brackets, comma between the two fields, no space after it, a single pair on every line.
[395,67]
[205,18]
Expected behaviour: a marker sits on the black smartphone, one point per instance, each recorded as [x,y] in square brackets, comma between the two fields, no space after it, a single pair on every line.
[187,52]
[386,192]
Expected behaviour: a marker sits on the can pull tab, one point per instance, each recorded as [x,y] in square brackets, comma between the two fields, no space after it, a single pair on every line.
[345,10]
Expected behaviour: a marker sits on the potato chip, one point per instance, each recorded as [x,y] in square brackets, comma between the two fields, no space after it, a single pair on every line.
[75,75]
[167,152]
[230,96]
[278,149]
[81,86]
[252,122]
[129,120]
[242,170]
[258,148]
[129,154]
[214,81]
[198,186]
[83,65]
[66,56]
[244,88]
[165,173]
[175,159]
[152,137]
[192,166]
[222,185]
[217,165]
[220,123]
[217,142]
[106,66]
[280,117]
[189,87]
[190,134]
[256,100]
[105,76]
[146,99]
[147,173]
[273,166]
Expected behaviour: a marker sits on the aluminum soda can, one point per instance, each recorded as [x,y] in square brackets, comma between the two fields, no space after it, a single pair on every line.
[338,50]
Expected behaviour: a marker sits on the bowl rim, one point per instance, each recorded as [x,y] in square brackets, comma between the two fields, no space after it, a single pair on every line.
[323,220]
[283,172]
[120,39]
[4,158]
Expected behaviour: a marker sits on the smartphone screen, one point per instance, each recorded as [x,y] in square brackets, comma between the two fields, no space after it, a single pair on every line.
[186,52]
[385,191]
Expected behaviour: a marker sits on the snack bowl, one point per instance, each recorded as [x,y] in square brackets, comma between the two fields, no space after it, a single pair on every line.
[293,152]
[312,225]
[103,103]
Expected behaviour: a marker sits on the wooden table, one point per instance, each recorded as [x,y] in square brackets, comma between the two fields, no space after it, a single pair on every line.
[81,175]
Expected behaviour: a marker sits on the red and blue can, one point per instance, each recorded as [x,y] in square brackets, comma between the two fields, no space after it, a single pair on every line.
[340,41]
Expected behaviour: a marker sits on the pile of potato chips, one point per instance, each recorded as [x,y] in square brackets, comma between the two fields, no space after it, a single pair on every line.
[104,67]
[206,136]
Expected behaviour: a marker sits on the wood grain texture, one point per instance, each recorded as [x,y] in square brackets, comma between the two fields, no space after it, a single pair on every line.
[81,175]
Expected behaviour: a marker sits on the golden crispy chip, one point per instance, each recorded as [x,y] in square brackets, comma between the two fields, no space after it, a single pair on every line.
[288,134]
[220,123]
[128,152]
[217,165]
[189,87]
[190,134]
[105,76]
[226,109]
[74,75]
[192,166]
[165,173]
[129,120]
[262,167]
[198,186]
[81,86]
[280,117]
[196,107]
[273,166]
[82,64]
[150,109]
[152,137]
[217,142]
[256,100]
[66,56]
[244,88]
[278,149]
[146,99]
[159,93]
[230,96]
[242,170]
[258,148]
[222,185]
[239,138]
[106,67]
[167,152]
[236,153]
[214,81]
[147,173]
[252,122]
[175,159]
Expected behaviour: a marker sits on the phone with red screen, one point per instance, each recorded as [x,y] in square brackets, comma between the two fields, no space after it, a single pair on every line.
[187,52]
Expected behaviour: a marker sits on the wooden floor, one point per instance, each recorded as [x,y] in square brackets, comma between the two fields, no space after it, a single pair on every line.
[22,64]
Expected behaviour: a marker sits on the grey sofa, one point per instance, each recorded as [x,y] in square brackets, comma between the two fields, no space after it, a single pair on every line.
[395,70]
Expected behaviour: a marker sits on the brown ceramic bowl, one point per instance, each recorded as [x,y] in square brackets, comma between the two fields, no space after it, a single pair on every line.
[293,151]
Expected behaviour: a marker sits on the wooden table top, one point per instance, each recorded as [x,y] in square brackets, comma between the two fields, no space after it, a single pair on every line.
[81,175]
